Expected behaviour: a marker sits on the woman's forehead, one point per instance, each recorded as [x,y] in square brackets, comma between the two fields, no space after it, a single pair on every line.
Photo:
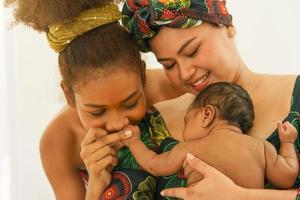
[169,40]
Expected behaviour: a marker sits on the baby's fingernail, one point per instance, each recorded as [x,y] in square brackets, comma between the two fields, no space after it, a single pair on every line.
[128,133]
[162,193]
[190,156]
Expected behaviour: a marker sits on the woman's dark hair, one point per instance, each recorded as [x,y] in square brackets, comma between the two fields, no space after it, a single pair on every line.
[108,47]
[231,102]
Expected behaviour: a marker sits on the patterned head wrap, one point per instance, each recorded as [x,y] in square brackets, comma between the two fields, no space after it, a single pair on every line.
[144,17]
[61,34]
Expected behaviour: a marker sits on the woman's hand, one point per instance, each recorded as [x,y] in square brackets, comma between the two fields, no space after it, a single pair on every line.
[214,184]
[98,152]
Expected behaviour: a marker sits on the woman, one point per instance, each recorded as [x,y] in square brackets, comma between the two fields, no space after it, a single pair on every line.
[103,80]
[194,41]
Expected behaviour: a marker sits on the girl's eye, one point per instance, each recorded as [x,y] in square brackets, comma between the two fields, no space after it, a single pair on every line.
[131,105]
[98,114]
[193,53]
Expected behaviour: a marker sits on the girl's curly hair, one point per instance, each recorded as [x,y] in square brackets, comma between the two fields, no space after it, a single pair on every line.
[39,14]
[106,47]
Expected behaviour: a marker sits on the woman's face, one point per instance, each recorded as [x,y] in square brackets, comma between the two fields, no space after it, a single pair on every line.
[112,101]
[196,57]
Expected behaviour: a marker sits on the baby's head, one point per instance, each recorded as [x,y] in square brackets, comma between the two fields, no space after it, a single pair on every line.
[218,102]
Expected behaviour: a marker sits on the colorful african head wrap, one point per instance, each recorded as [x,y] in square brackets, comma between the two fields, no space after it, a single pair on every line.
[61,34]
[143,18]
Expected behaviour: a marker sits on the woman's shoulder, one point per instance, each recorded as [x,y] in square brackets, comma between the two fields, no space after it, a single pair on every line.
[269,85]
[173,112]
[282,79]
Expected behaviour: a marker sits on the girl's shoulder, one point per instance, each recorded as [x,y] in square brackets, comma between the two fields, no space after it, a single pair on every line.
[59,151]
[62,135]
[64,125]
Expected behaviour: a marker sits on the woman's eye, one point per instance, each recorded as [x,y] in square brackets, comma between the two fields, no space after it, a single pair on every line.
[192,54]
[168,67]
[131,105]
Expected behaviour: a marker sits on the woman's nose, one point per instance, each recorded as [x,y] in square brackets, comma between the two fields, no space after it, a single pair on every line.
[186,71]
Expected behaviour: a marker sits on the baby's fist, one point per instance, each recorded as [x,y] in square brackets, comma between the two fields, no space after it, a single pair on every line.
[134,133]
[287,132]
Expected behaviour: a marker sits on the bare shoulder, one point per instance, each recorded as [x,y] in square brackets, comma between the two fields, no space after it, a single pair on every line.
[57,149]
[58,139]
[173,112]
[61,129]
[159,87]
[275,82]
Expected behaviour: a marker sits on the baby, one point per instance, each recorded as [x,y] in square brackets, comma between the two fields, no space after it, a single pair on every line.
[215,124]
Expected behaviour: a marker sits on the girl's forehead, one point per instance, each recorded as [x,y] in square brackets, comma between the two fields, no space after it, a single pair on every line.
[111,88]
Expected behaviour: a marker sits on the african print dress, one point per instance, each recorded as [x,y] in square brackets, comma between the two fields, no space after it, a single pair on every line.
[294,118]
[128,180]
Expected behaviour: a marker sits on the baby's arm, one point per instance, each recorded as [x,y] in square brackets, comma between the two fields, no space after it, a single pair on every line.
[282,169]
[164,164]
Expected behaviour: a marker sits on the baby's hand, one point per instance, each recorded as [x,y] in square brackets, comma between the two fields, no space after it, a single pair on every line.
[134,131]
[287,132]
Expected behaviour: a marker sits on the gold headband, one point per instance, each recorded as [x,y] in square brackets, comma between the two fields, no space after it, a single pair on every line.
[61,34]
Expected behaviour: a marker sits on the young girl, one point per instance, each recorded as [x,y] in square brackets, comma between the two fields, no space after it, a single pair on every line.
[103,80]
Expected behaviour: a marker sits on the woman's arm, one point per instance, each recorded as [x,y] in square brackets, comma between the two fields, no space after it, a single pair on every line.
[216,185]
[159,88]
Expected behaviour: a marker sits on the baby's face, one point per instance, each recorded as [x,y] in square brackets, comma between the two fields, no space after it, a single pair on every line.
[194,129]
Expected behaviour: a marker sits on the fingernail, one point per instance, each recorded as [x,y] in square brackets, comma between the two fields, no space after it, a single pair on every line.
[162,193]
[190,156]
[128,133]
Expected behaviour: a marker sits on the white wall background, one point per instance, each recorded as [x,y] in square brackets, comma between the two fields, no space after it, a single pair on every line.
[267,37]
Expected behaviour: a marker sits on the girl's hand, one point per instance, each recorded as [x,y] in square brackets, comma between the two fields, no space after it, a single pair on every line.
[98,152]
[214,184]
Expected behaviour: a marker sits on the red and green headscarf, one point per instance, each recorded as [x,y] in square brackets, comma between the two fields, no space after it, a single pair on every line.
[143,18]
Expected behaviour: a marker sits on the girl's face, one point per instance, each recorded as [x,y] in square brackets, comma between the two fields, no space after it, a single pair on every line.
[112,101]
[196,57]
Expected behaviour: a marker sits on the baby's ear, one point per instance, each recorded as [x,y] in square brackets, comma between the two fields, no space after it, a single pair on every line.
[208,113]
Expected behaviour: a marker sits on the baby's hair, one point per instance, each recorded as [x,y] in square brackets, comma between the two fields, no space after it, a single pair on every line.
[232,103]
